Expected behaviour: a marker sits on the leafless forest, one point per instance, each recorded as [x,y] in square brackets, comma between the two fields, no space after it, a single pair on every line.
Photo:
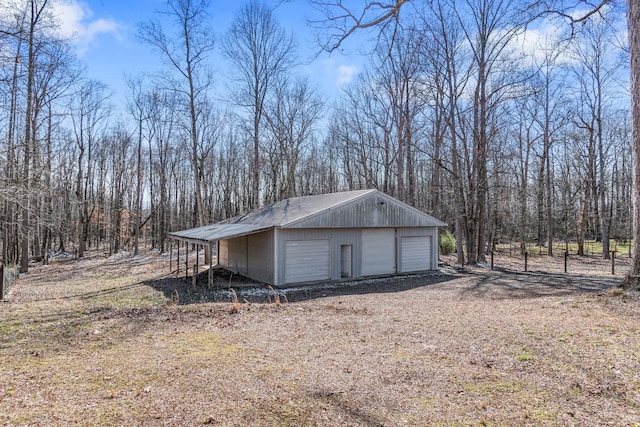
[507,123]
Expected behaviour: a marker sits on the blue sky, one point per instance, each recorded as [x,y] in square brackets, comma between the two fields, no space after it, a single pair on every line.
[104,34]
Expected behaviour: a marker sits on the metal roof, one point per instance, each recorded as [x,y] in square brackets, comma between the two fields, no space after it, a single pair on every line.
[211,233]
[324,210]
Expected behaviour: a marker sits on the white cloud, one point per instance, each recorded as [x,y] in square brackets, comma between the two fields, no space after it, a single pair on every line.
[76,22]
[538,43]
[345,74]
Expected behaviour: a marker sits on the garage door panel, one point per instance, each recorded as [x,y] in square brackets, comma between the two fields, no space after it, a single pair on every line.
[306,261]
[378,251]
[416,253]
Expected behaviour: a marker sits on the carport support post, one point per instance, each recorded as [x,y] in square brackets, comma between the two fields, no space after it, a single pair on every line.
[171,257]
[209,278]
[186,261]
[178,260]
[194,277]
[197,259]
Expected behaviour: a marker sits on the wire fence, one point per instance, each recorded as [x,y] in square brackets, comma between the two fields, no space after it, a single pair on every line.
[563,262]
[8,276]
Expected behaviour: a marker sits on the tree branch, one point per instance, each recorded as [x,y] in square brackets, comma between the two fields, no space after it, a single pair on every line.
[341,21]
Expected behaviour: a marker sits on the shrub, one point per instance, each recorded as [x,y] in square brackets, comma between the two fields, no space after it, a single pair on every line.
[447,243]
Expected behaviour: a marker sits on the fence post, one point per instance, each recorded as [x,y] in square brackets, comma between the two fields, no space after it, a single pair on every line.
[566,258]
[492,260]
[526,261]
[1,281]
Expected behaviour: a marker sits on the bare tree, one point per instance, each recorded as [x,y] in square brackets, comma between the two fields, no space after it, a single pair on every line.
[491,26]
[291,119]
[632,279]
[32,22]
[596,74]
[140,108]
[186,53]
[260,51]
[449,56]
[89,109]
[163,121]
[550,118]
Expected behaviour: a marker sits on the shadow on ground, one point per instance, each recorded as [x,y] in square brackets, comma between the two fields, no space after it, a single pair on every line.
[507,284]
[497,284]
[181,290]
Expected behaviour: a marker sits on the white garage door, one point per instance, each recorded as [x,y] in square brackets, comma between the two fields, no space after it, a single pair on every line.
[378,251]
[416,253]
[306,261]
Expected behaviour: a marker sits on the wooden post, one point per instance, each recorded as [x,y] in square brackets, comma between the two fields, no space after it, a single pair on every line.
[492,260]
[186,261]
[566,258]
[197,259]
[194,276]
[210,278]
[178,260]
[1,281]
[526,261]
[171,257]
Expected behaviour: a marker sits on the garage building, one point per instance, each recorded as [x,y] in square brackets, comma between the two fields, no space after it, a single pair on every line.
[334,236]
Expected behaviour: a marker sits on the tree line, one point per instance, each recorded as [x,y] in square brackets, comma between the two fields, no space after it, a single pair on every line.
[506,138]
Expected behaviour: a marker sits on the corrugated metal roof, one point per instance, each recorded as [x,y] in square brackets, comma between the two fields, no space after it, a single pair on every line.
[213,232]
[288,211]
[344,209]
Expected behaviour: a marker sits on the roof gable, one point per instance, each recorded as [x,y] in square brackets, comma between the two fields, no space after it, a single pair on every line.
[372,209]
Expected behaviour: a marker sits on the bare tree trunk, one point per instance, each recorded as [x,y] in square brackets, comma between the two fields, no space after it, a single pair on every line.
[550,221]
[35,15]
[632,279]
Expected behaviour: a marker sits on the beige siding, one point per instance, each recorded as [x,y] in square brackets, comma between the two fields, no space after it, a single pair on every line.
[260,253]
[238,255]
[223,255]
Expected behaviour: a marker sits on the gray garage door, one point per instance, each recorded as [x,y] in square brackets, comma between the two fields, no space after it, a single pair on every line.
[306,261]
[416,253]
[378,251]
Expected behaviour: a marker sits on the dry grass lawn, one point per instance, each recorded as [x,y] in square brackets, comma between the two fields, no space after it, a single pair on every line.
[115,341]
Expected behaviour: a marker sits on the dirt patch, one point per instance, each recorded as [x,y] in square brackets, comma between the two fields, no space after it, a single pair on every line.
[102,342]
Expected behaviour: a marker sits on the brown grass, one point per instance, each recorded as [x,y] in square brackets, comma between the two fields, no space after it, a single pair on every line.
[119,342]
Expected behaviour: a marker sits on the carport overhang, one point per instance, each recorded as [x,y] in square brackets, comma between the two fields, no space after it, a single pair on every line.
[209,235]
